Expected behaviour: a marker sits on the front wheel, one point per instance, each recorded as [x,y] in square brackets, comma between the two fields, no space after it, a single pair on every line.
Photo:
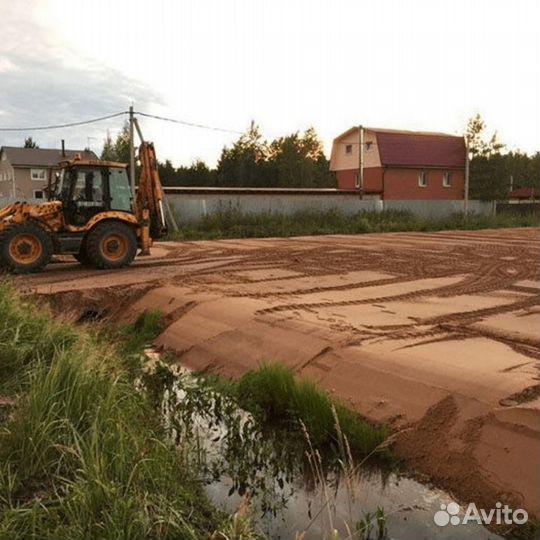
[111,244]
[24,248]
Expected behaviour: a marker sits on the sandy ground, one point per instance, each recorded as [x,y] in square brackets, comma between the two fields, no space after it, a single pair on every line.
[436,334]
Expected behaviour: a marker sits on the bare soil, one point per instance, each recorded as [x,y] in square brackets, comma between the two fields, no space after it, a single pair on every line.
[436,334]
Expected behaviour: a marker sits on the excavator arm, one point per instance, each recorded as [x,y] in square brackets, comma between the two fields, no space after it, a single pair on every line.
[149,200]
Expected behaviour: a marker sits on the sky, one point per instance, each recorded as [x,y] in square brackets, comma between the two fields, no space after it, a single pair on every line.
[287,64]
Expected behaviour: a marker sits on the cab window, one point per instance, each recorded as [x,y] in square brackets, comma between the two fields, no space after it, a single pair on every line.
[88,188]
[120,190]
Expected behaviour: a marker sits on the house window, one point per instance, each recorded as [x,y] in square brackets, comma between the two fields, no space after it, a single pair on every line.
[348,148]
[447,179]
[38,194]
[368,145]
[38,174]
[422,179]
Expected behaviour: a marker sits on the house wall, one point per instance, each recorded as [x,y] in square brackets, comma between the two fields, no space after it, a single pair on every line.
[24,188]
[341,161]
[6,178]
[402,184]
[372,179]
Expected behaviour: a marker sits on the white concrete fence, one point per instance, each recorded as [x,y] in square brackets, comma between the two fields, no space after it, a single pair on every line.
[190,205]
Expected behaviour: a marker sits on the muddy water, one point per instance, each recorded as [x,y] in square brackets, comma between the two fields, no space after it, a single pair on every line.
[285,500]
[409,507]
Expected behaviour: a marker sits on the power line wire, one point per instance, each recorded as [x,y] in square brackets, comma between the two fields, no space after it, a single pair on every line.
[166,119]
[115,115]
[189,124]
[58,126]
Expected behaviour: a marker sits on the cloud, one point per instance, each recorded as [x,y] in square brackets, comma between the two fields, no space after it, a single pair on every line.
[7,65]
[43,84]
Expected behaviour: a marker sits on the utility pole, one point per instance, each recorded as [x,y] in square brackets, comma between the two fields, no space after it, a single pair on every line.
[361,161]
[466,199]
[131,153]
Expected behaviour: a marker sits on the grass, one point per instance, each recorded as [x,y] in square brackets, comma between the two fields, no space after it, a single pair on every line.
[273,393]
[131,339]
[80,453]
[27,335]
[233,223]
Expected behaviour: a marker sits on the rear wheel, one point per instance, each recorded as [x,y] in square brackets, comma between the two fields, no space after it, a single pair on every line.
[24,248]
[111,244]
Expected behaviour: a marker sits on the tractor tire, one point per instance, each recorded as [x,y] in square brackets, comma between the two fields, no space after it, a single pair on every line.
[24,248]
[111,244]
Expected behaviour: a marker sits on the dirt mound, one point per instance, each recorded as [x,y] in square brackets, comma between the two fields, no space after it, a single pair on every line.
[474,454]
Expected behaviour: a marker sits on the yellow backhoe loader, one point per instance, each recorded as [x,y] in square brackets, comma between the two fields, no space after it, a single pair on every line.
[90,214]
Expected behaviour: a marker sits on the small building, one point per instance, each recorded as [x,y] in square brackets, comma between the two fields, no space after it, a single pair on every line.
[400,165]
[24,172]
[524,195]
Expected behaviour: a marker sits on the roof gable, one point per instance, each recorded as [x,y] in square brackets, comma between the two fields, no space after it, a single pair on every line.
[524,193]
[42,157]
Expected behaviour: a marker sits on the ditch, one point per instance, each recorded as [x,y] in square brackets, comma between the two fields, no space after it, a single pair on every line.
[288,487]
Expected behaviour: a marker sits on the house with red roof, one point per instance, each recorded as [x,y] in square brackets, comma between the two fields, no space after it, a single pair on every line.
[399,165]
[524,194]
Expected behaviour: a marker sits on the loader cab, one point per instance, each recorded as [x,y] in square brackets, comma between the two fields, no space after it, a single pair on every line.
[87,188]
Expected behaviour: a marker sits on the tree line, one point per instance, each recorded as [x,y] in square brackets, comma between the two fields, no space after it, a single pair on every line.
[295,160]
[494,173]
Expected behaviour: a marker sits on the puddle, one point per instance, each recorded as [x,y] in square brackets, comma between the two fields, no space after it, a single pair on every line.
[290,496]
[408,505]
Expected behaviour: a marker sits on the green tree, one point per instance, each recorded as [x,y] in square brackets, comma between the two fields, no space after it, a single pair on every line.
[291,161]
[534,170]
[488,178]
[107,153]
[479,144]
[117,150]
[167,173]
[244,163]
[299,161]
[197,174]
[521,169]
[30,143]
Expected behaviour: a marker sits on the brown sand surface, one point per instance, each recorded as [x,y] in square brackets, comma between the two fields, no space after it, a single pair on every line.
[436,334]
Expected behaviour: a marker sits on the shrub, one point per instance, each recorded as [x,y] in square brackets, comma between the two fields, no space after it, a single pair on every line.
[273,393]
